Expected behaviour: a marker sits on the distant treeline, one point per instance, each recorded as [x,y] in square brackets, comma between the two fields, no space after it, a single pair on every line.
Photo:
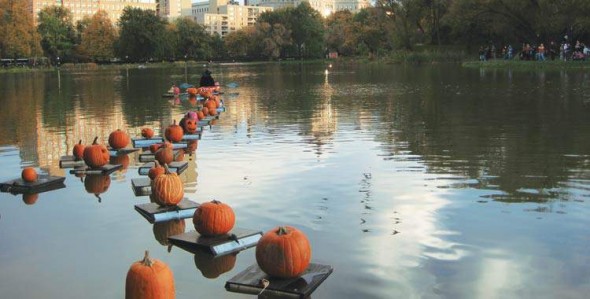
[386,30]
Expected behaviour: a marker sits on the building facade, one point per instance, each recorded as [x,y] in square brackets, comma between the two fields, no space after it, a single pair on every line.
[172,9]
[325,7]
[222,16]
[82,8]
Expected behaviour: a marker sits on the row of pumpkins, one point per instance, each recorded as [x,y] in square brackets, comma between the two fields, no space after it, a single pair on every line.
[283,252]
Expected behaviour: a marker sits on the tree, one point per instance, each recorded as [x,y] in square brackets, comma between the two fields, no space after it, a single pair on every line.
[98,37]
[18,37]
[57,32]
[191,38]
[407,17]
[307,30]
[238,44]
[272,39]
[142,36]
[338,34]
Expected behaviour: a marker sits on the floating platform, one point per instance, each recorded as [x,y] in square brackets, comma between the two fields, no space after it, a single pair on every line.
[236,240]
[140,142]
[155,213]
[150,157]
[178,167]
[141,186]
[249,281]
[107,169]
[121,152]
[70,162]
[190,137]
[44,183]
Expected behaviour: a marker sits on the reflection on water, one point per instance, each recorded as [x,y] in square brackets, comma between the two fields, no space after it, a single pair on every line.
[409,181]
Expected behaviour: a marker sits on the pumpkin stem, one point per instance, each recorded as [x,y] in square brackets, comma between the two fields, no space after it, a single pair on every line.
[157,163]
[282,230]
[98,196]
[80,142]
[95,140]
[174,122]
[147,261]
[215,201]
[167,169]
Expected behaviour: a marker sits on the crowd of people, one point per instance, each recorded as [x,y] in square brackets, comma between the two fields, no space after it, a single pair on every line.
[539,52]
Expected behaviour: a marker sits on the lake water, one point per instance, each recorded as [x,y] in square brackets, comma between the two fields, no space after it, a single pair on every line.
[411,182]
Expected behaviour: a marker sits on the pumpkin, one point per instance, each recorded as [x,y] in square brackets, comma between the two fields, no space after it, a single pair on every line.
[167,188]
[156,171]
[118,139]
[283,252]
[96,155]
[147,133]
[97,184]
[165,154]
[212,112]
[192,91]
[155,147]
[205,111]
[122,159]
[78,150]
[200,115]
[30,198]
[29,175]
[214,218]
[210,104]
[173,132]
[163,230]
[210,266]
[149,279]
[190,125]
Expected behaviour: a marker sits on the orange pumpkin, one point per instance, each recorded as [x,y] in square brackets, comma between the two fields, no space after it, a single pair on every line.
[29,175]
[96,155]
[97,184]
[200,115]
[283,252]
[212,112]
[167,188]
[190,125]
[214,218]
[211,267]
[179,156]
[165,154]
[149,279]
[78,150]
[119,139]
[210,104]
[163,230]
[174,133]
[205,111]
[154,147]
[147,133]
[156,171]
[30,198]
[192,91]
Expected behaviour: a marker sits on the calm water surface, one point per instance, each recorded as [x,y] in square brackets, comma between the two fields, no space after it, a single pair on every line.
[412,182]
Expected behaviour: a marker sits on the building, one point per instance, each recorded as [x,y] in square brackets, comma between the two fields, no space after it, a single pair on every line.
[223,17]
[171,9]
[82,8]
[325,7]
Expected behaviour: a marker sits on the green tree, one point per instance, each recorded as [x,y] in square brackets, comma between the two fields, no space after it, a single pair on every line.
[192,39]
[338,34]
[272,39]
[239,44]
[57,32]
[98,37]
[372,31]
[407,17]
[307,30]
[18,37]
[142,36]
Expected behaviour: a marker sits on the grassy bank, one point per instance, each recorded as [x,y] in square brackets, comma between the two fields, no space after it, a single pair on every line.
[528,65]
